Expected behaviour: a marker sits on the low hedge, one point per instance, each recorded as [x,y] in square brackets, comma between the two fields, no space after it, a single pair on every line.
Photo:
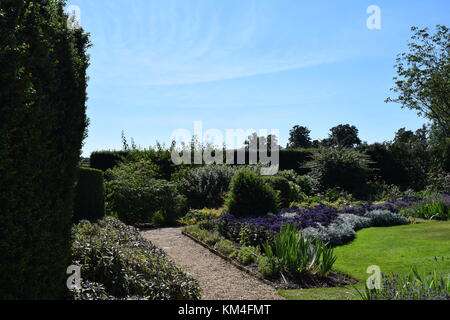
[89,201]
[116,262]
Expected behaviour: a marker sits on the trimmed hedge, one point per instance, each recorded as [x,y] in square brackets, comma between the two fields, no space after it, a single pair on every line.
[105,160]
[42,126]
[89,202]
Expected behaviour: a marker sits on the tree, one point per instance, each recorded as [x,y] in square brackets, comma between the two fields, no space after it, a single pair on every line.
[43,122]
[343,136]
[423,76]
[299,137]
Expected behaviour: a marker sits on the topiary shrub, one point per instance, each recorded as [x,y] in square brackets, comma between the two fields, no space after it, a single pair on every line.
[137,198]
[343,168]
[118,263]
[250,195]
[43,121]
[89,202]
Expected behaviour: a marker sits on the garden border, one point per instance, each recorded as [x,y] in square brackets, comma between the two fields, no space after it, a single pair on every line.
[229,260]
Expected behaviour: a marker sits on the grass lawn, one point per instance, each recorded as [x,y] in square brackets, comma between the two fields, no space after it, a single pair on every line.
[394,250]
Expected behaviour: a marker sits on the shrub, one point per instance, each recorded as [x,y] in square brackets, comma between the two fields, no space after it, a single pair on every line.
[89,202]
[437,207]
[265,267]
[340,167]
[206,186]
[307,183]
[287,194]
[225,247]
[43,121]
[291,252]
[250,196]
[198,216]
[124,265]
[336,234]
[384,218]
[136,198]
[209,237]
[248,255]
[105,160]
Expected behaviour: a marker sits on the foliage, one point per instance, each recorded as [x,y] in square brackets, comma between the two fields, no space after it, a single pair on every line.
[265,267]
[344,136]
[250,196]
[196,216]
[299,137]
[287,193]
[344,168]
[247,255]
[414,285]
[207,236]
[116,257]
[385,218]
[105,160]
[308,185]
[43,122]
[436,207]
[423,76]
[206,186]
[137,198]
[292,253]
[89,201]
[225,247]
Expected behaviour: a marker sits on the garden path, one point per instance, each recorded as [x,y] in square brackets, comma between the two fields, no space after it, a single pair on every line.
[218,279]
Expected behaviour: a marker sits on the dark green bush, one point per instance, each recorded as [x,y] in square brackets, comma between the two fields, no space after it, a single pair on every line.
[42,126]
[344,168]
[250,195]
[89,202]
[137,198]
[286,192]
[123,265]
[105,160]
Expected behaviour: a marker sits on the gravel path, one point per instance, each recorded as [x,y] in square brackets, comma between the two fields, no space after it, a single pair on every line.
[218,279]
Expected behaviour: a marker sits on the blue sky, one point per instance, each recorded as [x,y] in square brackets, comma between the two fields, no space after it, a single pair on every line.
[157,66]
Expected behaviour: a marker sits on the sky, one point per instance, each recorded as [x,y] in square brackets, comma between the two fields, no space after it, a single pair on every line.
[159,65]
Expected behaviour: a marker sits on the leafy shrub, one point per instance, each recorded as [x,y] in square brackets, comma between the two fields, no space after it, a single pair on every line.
[411,286]
[89,202]
[336,234]
[437,207]
[225,247]
[265,267]
[250,196]
[308,185]
[43,121]
[347,169]
[384,218]
[291,252]
[206,186]
[248,255]
[125,265]
[287,194]
[136,198]
[207,236]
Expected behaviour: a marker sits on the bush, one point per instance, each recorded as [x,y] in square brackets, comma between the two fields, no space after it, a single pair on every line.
[89,202]
[343,168]
[225,247]
[206,186]
[287,194]
[123,265]
[250,196]
[137,198]
[105,160]
[199,216]
[384,218]
[265,267]
[43,121]
[248,255]
[307,184]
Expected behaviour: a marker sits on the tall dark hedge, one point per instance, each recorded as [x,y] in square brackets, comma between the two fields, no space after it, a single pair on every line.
[104,160]
[89,202]
[42,125]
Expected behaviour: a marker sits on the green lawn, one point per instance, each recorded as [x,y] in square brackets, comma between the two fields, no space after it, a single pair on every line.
[394,250]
